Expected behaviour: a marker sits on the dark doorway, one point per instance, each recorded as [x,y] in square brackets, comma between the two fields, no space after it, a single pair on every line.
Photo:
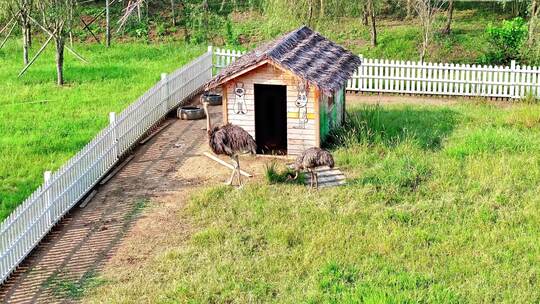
[271,118]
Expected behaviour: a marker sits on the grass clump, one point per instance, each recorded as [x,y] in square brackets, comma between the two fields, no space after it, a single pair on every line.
[276,175]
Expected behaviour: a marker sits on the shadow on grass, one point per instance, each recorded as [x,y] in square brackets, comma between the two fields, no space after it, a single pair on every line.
[427,128]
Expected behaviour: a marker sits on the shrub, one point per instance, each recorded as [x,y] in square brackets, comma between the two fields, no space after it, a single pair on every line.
[505,41]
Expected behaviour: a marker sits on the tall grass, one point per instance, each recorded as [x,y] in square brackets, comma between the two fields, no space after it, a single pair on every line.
[441,206]
[398,38]
[42,125]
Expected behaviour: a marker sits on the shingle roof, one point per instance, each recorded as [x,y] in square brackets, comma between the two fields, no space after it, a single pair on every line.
[304,52]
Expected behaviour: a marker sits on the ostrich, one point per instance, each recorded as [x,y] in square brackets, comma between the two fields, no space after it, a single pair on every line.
[229,140]
[310,159]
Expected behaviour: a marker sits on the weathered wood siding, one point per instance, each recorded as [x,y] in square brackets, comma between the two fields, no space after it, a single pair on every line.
[299,137]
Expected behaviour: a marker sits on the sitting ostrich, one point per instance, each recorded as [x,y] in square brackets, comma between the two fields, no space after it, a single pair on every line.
[229,140]
[310,159]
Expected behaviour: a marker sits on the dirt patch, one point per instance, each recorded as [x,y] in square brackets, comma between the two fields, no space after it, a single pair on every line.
[422,100]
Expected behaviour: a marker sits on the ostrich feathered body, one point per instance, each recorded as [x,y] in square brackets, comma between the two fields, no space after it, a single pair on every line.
[312,158]
[231,140]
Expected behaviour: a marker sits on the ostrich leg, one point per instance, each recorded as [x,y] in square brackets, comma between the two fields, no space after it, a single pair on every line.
[238,170]
[311,178]
[228,183]
[316,180]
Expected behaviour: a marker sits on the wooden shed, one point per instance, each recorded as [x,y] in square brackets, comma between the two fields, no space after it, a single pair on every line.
[289,93]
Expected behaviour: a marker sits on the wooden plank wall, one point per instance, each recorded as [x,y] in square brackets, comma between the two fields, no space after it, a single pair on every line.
[298,138]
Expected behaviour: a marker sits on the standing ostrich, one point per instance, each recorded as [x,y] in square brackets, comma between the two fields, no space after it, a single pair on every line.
[229,140]
[310,159]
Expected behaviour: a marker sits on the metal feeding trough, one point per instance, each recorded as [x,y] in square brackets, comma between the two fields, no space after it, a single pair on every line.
[190,113]
[213,99]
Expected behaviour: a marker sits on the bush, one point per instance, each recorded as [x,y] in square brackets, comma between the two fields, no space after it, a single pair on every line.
[505,41]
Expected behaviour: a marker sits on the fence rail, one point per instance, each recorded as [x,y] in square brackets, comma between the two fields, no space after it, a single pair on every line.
[24,228]
[446,79]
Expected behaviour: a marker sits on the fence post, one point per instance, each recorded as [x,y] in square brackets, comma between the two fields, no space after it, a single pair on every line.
[112,123]
[46,182]
[211,52]
[512,79]
[360,73]
[165,101]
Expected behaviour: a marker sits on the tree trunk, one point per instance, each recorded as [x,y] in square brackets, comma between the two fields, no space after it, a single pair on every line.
[533,21]
[373,23]
[448,26]
[365,15]
[107,24]
[409,9]
[173,12]
[321,11]
[25,46]
[425,42]
[25,27]
[205,20]
[29,35]
[59,60]
[183,16]
[310,12]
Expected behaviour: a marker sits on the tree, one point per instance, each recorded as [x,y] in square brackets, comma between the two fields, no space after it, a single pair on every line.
[409,9]
[173,13]
[365,14]
[57,19]
[534,12]
[19,11]
[449,16]
[373,26]
[426,10]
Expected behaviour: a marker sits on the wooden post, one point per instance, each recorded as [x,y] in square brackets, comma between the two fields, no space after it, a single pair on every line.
[512,79]
[107,24]
[225,99]
[211,51]
[316,100]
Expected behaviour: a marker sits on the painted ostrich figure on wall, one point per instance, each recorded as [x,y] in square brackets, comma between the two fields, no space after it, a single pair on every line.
[311,159]
[229,140]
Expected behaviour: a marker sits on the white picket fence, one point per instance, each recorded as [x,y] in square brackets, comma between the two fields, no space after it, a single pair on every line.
[33,219]
[445,79]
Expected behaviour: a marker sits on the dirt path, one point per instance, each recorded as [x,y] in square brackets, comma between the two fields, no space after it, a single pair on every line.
[161,175]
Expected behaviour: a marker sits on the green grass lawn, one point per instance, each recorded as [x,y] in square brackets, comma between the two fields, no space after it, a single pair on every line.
[441,207]
[42,125]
